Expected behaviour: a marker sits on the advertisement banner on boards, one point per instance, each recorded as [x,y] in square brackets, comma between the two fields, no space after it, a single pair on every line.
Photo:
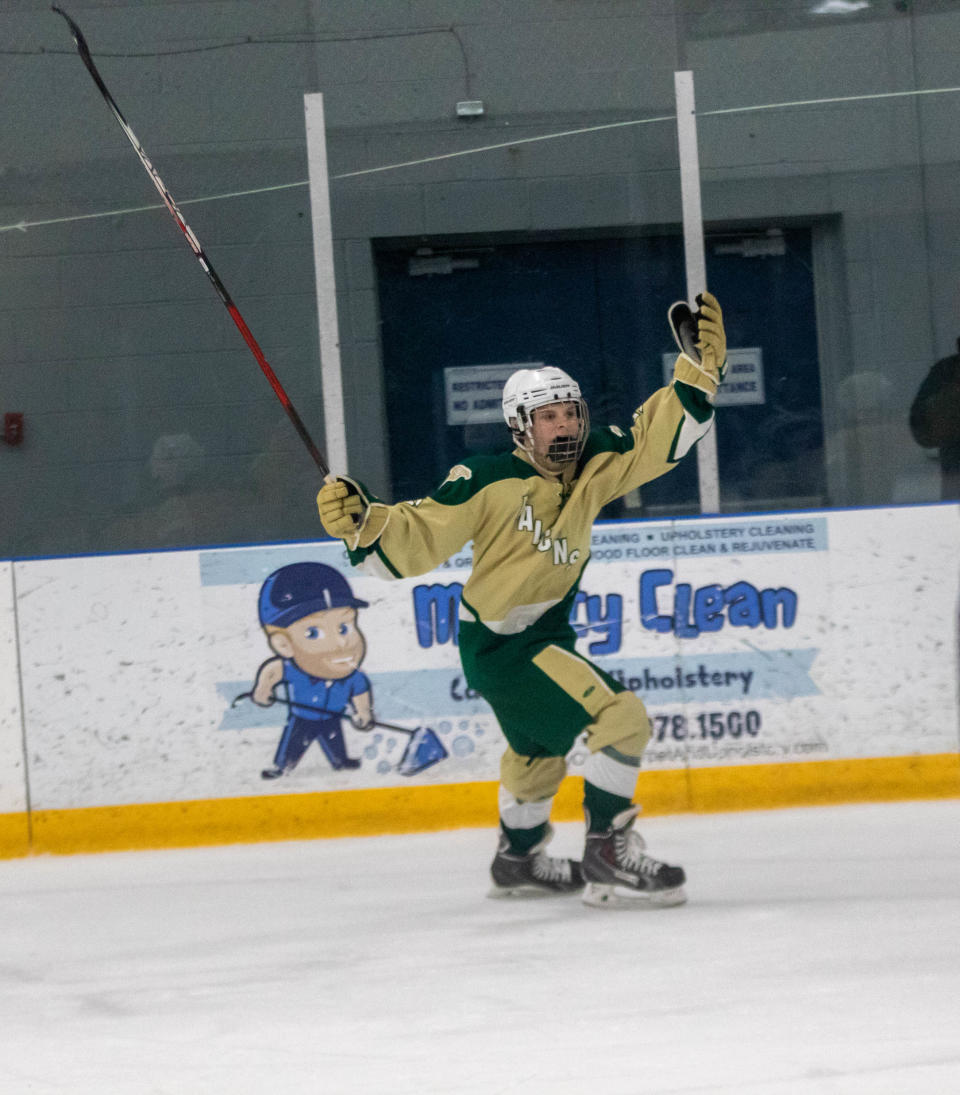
[749,639]
[757,639]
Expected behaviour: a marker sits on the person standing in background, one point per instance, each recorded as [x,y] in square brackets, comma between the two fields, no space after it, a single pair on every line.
[935,420]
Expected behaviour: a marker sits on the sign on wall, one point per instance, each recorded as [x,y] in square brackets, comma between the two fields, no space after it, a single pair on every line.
[743,384]
[474,392]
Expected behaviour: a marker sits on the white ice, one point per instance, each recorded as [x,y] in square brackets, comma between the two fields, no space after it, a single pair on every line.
[819,953]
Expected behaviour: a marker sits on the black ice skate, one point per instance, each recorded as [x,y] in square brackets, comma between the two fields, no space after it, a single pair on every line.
[619,873]
[535,874]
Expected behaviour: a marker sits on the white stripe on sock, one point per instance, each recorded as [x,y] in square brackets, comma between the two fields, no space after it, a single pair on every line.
[522,815]
[610,775]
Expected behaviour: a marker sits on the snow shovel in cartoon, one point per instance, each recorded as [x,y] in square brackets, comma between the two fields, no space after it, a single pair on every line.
[423,747]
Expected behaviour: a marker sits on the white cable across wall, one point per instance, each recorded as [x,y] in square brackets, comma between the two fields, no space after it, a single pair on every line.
[23,226]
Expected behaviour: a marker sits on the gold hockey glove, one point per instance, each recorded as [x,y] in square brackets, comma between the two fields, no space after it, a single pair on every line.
[711,337]
[341,510]
[703,344]
[347,514]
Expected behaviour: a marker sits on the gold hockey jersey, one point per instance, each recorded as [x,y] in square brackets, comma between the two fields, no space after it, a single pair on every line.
[531,531]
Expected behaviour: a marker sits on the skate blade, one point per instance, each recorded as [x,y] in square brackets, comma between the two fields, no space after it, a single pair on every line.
[527,892]
[600,896]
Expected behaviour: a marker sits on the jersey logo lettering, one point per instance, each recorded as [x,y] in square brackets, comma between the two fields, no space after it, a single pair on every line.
[543,539]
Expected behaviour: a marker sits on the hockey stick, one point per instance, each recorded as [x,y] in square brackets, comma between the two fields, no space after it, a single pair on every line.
[423,748]
[323,711]
[188,233]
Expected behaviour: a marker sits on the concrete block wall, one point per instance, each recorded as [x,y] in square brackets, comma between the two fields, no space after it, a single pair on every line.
[110,335]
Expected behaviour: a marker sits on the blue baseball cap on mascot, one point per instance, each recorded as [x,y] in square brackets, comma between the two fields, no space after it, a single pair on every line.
[301,589]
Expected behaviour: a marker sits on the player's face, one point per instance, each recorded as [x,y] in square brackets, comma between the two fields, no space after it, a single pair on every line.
[550,424]
[327,644]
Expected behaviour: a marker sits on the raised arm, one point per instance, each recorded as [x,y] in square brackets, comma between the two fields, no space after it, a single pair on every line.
[404,539]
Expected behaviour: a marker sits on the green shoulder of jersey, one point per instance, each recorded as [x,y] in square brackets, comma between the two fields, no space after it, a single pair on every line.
[604,439]
[468,478]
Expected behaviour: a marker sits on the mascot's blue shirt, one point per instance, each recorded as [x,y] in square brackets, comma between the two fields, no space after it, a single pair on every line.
[331,697]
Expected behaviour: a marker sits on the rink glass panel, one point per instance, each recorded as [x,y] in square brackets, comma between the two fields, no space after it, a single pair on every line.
[146,421]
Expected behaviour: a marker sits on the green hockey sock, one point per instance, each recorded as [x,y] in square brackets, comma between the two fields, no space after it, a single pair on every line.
[601,807]
[522,840]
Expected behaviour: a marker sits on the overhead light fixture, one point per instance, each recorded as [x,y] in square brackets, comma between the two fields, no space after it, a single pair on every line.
[840,7]
[772,242]
[421,265]
[470,108]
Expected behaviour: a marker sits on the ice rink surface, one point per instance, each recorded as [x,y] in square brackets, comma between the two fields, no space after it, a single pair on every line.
[819,953]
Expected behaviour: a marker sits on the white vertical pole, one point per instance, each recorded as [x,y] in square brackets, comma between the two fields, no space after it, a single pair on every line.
[695,259]
[330,372]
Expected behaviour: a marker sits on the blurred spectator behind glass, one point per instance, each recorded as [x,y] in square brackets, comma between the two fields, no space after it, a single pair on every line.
[175,462]
[284,484]
[181,505]
[859,470]
[935,420]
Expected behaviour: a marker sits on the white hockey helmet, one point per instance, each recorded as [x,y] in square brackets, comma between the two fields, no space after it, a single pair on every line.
[528,389]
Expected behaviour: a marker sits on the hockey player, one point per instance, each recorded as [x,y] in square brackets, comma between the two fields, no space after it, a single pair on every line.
[530,513]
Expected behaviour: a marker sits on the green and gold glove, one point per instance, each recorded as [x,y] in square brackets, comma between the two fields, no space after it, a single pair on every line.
[346,513]
[703,344]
